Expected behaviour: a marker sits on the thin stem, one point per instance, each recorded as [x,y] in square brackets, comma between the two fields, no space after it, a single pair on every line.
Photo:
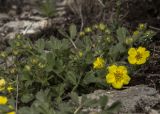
[17,91]
[154,28]
[101,3]
[77,110]
[73,43]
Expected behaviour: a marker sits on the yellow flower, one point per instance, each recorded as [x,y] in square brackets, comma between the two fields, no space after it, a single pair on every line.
[13,112]
[98,63]
[117,76]
[3,100]
[102,26]
[9,88]
[2,84]
[138,56]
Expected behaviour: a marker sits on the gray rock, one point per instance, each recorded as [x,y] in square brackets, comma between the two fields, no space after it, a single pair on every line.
[134,99]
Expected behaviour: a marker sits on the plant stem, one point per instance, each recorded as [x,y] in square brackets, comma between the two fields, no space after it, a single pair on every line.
[17,90]
[77,110]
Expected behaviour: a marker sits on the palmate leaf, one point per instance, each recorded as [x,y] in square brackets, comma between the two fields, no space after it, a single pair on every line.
[40,45]
[90,78]
[71,78]
[117,49]
[74,97]
[121,34]
[27,98]
[56,44]
[103,101]
[50,61]
[48,8]
[114,108]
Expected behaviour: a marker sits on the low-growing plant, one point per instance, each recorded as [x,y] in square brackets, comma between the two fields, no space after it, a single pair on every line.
[41,77]
[48,8]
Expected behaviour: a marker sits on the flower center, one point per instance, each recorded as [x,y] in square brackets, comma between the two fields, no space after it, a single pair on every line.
[118,76]
[138,56]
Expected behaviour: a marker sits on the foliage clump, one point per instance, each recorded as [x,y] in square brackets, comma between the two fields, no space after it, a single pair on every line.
[42,76]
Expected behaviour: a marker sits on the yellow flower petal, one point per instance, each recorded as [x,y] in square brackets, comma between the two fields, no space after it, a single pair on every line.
[2,82]
[112,68]
[3,100]
[117,85]
[110,78]
[123,69]
[141,61]
[141,49]
[132,60]
[13,112]
[146,54]
[9,88]
[132,51]
[98,63]
[126,79]
[117,76]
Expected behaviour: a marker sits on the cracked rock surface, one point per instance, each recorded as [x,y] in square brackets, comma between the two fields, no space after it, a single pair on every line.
[137,99]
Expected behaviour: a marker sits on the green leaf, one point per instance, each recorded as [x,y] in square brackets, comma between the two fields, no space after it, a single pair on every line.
[87,43]
[117,49]
[121,34]
[50,61]
[48,8]
[74,97]
[114,107]
[40,45]
[103,101]
[72,31]
[71,77]
[90,78]
[90,103]
[27,98]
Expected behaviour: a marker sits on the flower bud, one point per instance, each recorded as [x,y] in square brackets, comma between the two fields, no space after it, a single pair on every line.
[34,61]
[3,54]
[141,26]
[15,52]
[88,30]
[129,41]
[13,71]
[27,68]
[107,31]
[41,65]
[136,33]
[102,26]
[80,53]
[81,34]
